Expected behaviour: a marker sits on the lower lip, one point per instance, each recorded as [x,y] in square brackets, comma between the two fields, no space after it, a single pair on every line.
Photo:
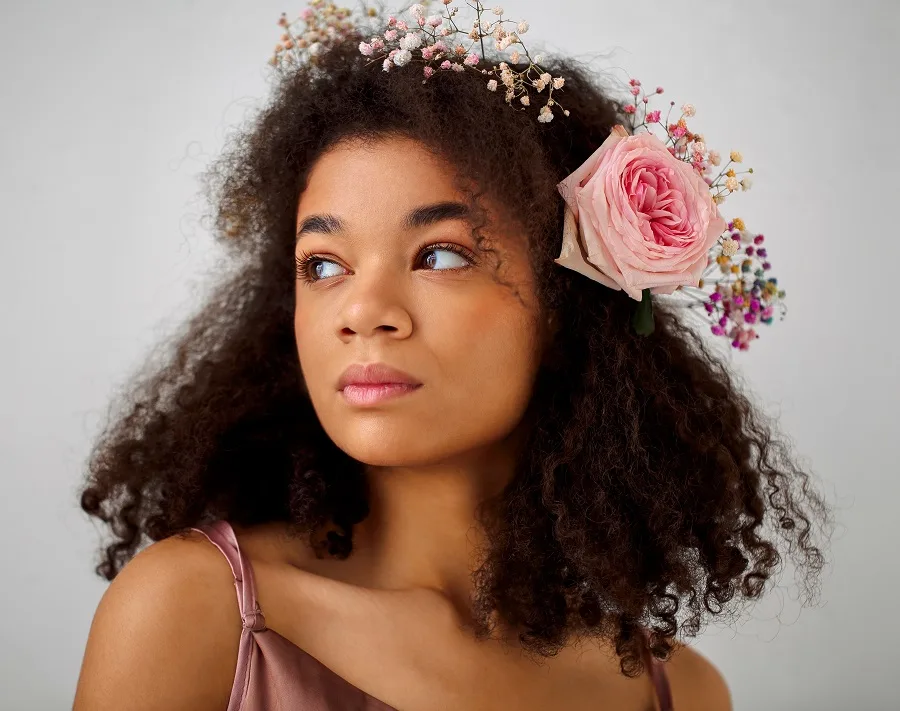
[373,394]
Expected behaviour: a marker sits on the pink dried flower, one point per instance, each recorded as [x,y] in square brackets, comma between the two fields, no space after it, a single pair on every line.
[653,116]
[472,60]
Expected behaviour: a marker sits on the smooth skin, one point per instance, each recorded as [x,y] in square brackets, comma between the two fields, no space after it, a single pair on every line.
[385,288]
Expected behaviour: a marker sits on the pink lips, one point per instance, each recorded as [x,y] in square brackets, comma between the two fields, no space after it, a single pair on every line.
[368,384]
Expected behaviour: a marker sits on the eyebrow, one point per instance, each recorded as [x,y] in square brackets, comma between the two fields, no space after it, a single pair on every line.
[418,217]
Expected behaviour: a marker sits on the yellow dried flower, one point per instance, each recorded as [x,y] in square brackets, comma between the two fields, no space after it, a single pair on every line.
[736,156]
[739,224]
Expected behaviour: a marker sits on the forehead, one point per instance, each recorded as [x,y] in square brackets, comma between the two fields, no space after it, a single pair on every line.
[377,179]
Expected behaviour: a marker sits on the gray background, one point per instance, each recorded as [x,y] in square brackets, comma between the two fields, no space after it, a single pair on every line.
[109,110]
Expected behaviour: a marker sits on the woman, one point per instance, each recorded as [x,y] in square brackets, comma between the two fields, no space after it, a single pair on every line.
[440,471]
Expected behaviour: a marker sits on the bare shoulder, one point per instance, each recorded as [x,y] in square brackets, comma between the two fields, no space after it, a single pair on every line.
[697,684]
[165,634]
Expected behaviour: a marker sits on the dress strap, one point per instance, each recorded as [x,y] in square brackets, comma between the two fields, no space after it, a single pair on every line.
[658,675]
[221,535]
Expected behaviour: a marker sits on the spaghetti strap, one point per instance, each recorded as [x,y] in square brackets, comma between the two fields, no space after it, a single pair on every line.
[658,675]
[221,535]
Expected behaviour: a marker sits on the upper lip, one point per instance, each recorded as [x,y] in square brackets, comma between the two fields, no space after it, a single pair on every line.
[374,374]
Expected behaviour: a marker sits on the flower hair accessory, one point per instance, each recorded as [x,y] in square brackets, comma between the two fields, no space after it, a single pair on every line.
[641,213]
[642,216]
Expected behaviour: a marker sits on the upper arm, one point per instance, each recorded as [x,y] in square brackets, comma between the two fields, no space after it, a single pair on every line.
[697,684]
[165,634]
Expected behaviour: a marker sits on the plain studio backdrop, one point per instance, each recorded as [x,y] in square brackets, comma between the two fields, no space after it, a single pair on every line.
[110,110]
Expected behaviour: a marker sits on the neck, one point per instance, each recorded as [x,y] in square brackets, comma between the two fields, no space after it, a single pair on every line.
[422,530]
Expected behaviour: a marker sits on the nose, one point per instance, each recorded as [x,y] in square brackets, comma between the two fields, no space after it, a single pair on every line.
[376,305]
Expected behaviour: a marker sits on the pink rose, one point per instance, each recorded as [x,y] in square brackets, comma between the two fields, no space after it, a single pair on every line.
[637,217]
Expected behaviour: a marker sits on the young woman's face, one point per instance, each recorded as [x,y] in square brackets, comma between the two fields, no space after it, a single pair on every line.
[395,278]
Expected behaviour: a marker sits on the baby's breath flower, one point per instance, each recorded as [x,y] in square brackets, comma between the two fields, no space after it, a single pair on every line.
[715,158]
[435,20]
[402,57]
[546,115]
[736,156]
[514,57]
[746,183]
[526,101]
[492,85]
[729,247]
[412,40]
[417,10]
[558,83]
[538,58]
[497,10]
[731,184]
[689,110]
[509,95]
[522,27]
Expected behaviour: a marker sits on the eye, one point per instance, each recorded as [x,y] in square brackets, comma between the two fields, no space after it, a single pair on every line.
[312,268]
[457,252]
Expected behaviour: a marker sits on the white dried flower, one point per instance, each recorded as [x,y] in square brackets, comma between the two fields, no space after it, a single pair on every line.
[689,110]
[729,247]
[412,40]
[526,101]
[402,57]
[315,49]
[417,10]
[492,85]
[746,183]
[715,158]
[522,27]
[538,58]
[497,10]
[509,95]
[558,83]
[545,77]
[546,115]
[514,57]
[731,184]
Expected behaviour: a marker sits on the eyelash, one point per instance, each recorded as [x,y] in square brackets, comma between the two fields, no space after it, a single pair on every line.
[305,259]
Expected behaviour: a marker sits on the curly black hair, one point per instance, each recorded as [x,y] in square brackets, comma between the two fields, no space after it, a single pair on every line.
[651,492]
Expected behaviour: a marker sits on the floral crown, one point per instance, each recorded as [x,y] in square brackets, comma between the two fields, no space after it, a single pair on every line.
[641,213]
